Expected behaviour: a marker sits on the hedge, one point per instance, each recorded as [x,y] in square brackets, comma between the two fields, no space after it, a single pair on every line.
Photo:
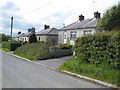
[12,46]
[34,51]
[99,48]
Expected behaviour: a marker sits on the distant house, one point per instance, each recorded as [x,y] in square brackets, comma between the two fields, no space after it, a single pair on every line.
[49,35]
[16,37]
[79,28]
[24,37]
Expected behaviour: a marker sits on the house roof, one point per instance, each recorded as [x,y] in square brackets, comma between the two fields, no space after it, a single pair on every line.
[16,36]
[86,23]
[49,31]
[25,34]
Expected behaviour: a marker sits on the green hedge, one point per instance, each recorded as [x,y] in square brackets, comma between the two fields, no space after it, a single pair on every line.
[99,48]
[12,46]
[34,51]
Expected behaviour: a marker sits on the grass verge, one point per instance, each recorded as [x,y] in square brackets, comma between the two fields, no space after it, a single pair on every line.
[103,72]
[5,49]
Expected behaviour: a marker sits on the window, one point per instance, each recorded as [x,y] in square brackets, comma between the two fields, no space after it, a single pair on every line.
[73,34]
[39,38]
[87,32]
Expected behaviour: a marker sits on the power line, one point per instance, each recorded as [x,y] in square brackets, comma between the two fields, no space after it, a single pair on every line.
[37,8]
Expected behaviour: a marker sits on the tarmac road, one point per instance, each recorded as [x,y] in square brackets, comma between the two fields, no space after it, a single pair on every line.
[18,73]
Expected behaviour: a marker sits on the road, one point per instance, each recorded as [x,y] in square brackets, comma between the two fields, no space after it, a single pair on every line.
[18,73]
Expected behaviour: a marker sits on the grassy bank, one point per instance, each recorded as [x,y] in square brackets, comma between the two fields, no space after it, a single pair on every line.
[34,51]
[103,72]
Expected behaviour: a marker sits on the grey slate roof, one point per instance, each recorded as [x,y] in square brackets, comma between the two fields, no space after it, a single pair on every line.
[25,34]
[87,23]
[49,31]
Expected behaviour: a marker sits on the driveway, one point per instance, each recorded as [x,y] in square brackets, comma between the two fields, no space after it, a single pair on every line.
[54,63]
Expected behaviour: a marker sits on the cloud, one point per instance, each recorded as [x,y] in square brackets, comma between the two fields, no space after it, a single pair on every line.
[9,9]
[36,13]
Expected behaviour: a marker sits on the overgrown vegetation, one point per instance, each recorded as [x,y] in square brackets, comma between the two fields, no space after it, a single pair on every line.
[34,51]
[10,46]
[4,37]
[110,19]
[97,56]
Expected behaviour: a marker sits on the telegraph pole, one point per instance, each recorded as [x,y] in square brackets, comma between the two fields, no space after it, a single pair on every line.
[11,27]
[93,6]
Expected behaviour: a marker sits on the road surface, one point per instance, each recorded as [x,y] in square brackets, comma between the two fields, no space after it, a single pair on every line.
[18,73]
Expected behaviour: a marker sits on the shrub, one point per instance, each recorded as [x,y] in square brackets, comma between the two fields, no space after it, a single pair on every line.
[6,45]
[34,51]
[99,48]
[12,46]
[64,46]
[32,38]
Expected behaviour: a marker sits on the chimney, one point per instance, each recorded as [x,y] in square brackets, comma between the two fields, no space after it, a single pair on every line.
[31,29]
[81,17]
[97,15]
[46,26]
[19,32]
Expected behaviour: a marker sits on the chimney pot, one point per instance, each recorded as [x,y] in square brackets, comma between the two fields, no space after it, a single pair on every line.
[46,26]
[31,29]
[97,15]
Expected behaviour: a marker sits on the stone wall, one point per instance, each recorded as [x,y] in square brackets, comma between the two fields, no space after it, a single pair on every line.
[57,52]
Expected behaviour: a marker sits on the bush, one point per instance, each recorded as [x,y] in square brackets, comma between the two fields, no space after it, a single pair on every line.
[97,56]
[34,51]
[12,46]
[32,38]
[99,48]
[6,45]
[64,46]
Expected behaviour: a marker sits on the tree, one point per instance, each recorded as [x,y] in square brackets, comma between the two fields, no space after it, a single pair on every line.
[110,19]
[4,37]
[32,38]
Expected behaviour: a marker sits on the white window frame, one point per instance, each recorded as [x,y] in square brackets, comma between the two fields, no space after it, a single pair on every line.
[87,32]
[72,33]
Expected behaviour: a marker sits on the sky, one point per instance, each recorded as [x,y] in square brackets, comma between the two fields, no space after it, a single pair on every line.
[56,13]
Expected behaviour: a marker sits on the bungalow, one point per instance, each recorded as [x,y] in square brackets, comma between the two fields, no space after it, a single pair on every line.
[79,28]
[49,35]
[24,37]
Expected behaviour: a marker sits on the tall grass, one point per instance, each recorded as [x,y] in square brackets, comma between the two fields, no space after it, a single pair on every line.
[103,72]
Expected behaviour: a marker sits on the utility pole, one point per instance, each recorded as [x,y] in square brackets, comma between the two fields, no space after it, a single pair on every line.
[11,27]
[93,6]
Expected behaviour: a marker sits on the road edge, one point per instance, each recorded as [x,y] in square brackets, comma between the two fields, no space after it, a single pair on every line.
[90,79]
